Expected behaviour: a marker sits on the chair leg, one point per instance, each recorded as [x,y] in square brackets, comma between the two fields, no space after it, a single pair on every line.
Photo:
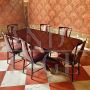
[18,54]
[8,58]
[78,68]
[13,61]
[32,71]
[23,66]
[47,67]
[56,68]
[72,72]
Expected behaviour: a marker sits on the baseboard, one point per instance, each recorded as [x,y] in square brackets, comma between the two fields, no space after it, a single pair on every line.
[88,49]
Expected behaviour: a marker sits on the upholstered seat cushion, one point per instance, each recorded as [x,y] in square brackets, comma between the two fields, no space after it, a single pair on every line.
[39,49]
[53,63]
[37,53]
[68,57]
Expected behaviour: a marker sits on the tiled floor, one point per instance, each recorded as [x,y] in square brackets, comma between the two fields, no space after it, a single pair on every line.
[14,79]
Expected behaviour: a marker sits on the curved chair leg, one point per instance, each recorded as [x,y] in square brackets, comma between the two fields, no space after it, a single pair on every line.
[8,58]
[72,72]
[78,68]
[47,68]
[13,61]
[32,71]
[23,66]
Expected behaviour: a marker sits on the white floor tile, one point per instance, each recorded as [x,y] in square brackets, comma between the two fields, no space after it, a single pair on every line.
[17,57]
[36,66]
[59,77]
[3,65]
[13,78]
[3,49]
[37,87]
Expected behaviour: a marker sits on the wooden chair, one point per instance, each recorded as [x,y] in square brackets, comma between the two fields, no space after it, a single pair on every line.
[65,31]
[44,27]
[31,55]
[70,58]
[11,48]
[54,65]
[74,58]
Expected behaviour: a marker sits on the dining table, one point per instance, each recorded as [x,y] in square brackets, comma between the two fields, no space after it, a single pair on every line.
[48,41]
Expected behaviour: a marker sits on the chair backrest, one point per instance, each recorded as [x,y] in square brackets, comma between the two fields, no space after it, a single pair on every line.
[69,32]
[44,27]
[8,45]
[65,31]
[12,27]
[80,51]
[25,51]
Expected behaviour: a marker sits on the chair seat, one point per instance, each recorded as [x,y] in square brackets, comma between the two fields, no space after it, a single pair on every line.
[37,54]
[17,51]
[52,61]
[70,58]
[17,47]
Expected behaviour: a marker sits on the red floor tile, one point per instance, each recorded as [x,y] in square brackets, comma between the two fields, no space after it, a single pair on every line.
[13,88]
[83,74]
[2,73]
[3,55]
[61,86]
[18,65]
[85,60]
[38,77]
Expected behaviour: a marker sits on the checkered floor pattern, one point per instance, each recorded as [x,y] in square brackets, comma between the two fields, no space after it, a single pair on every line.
[15,79]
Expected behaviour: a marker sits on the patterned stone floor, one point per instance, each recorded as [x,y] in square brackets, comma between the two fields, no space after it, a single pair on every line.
[15,79]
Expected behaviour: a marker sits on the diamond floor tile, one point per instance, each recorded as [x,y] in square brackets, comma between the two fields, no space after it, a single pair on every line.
[37,87]
[15,79]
